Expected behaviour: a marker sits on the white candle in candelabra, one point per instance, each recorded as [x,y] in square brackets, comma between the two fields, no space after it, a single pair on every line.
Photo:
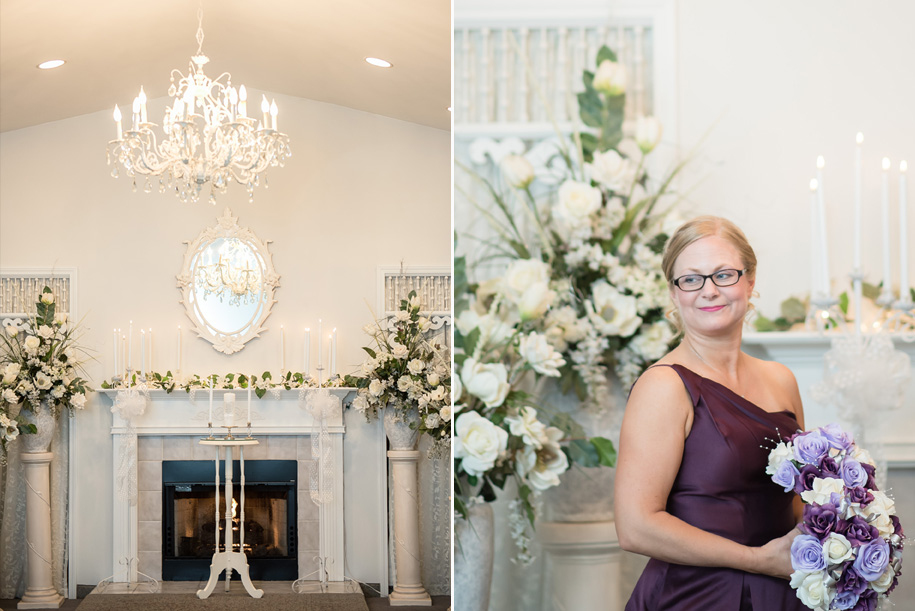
[815,284]
[250,384]
[307,350]
[210,417]
[824,249]
[885,201]
[115,346]
[136,113]
[142,351]
[333,353]
[859,139]
[282,348]
[123,354]
[129,345]
[228,409]
[179,347]
[151,368]
[904,294]
[265,108]
[320,351]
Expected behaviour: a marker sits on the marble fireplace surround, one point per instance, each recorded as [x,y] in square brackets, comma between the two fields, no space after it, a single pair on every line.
[170,429]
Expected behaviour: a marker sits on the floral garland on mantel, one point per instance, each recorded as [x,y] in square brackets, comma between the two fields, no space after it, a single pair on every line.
[230,381]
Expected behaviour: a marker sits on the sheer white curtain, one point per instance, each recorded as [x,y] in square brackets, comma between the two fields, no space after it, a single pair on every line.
[13,546]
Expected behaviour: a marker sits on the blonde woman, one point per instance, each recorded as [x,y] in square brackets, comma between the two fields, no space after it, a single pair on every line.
[691,488]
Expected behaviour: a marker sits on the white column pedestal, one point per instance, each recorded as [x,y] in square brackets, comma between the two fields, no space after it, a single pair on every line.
[583,563]
[40,592]
[408,587]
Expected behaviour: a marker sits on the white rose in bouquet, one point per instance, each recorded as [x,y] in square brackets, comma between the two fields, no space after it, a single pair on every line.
[31,344]
[399,350]
[478,442]
[521,274]
[488,381]
[493,329]
[611,312]
[45,331]
[526,426]
[360,403]
[812,588]
[438,393]
[78,400]
[457,389]
[47,298]
[577,202]
[611,170]
[542,357]
[416,366]
[544,466]
[445,413]
[10,396]
[376,387]
[517,170]
[11,372]
[647,133]
[433,379]
[535,301]
[610,78]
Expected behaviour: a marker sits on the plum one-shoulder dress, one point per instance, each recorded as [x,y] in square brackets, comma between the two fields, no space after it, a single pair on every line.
[722,488]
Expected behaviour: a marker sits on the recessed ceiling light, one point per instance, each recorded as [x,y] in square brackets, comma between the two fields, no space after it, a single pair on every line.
[51,63]
[378,62]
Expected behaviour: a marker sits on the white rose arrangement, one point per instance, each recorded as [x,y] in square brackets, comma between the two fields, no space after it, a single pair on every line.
[39,362]
[404,370]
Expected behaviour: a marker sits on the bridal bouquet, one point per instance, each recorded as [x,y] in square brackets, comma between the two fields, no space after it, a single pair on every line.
[39,364]
[850,555]
[582,229]
[405,370]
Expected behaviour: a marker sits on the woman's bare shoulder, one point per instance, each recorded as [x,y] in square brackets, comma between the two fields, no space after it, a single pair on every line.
[659,385]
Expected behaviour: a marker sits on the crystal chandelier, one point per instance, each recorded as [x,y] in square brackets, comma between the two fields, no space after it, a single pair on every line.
[209,137]
[227,279]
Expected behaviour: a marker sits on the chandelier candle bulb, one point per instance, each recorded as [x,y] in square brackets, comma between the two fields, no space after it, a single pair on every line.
[815,283]
[265,108]
[142,98]
[117,118]
[885,199]
[307,350]
[228,404]
[824,247]
[904,294]
[273,112]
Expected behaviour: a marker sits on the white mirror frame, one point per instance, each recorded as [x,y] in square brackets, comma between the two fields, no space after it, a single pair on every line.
[227,227]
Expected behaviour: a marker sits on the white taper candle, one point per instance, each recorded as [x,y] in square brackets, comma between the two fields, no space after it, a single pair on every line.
[885,205]
[824,245]
[815,283]
[904,293]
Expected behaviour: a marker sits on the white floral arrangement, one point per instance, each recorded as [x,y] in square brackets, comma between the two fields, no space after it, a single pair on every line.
[40,362]
[404,370]
[266,382]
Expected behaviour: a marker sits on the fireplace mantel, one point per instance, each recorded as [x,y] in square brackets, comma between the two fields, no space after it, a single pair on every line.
[177,414]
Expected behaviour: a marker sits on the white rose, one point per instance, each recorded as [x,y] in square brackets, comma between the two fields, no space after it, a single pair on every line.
[779,454]
[78,400]
[493,330]
[423,324]
[488,381]
[647,133]
[535,301]
[822,490]
[577,202]
[521,274]
[883,583]
[402,316]
[416,366]
[544,466]
[438,393]
[837,548]
[404,383]
[526,426]
[31,344]
[399,350]
[11,372]
[361,403]
[478,443]
[611,312]
[610,78]
[517,171]
[863,456]
[457,389]
[882,507]
[376,388]
[10,396]
[812,588]
[433,379]
[61,318]
[537,351]
[432,421]
[47,298]
[45,331]
[12,331]
[42,381]
[445,413]
[611,170]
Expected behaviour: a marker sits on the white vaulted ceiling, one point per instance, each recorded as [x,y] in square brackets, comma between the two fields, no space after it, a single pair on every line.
[311,49]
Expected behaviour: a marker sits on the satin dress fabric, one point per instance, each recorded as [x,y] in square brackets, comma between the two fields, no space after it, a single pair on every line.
[722,487]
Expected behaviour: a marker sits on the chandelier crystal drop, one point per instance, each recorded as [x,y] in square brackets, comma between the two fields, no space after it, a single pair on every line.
[234,276]
[209,137]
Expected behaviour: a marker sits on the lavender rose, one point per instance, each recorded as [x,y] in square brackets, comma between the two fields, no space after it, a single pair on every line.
[844,600]
[807,554]
[805,480]
[786,475]
[859,495]
[859,532]
[836,437]
[850,581]
[853,474]
[820,520]
[811,447]
[873,558]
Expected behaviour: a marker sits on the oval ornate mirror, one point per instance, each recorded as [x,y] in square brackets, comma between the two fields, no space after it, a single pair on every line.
[227,284]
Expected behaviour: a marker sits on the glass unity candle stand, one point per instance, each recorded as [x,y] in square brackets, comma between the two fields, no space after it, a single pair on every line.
[230,560]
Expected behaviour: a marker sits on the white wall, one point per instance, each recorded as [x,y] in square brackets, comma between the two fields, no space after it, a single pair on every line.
[360,191]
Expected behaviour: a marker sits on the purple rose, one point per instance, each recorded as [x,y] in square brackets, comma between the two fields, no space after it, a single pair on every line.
[807,554]
[866,602]
[850,581]
[829,467]
[859,495]
[786,475]
[871,483]
[809,448]
[853,474]
[804,482]
[820,520]
[859,532]
[844,600]
[873,558]
[897,529]
[836,437]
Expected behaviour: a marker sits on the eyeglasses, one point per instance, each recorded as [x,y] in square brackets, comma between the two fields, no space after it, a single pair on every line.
[695,282]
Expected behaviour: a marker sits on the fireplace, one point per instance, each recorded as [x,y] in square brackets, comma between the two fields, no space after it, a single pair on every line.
[189,518]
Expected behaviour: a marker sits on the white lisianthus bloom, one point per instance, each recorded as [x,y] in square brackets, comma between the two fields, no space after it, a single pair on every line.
[399,351]
[478,442]
[413,302]
[779,454]
[438,393]
[611,170]
[611,312]
[813,588]
[11,372]
[445,413]
[837,549]
[47,298]
[457,389]
[652,343]
[416,366]
[543,467]
[526,426]
[31,344]
[577,202]
[517,171]
[488,381]
[610,78]
[542,357]
[648,133]
[11,330]
[404,383]
[42,381]
[78,400]
[376,387]
[822,490]
[433,379]
[883,583]
[10,396]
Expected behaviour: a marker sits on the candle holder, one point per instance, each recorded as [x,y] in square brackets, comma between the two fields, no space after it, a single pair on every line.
[885,299]
[249,431]
[824,313]
[320,369]
[209,436]
[229,436]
